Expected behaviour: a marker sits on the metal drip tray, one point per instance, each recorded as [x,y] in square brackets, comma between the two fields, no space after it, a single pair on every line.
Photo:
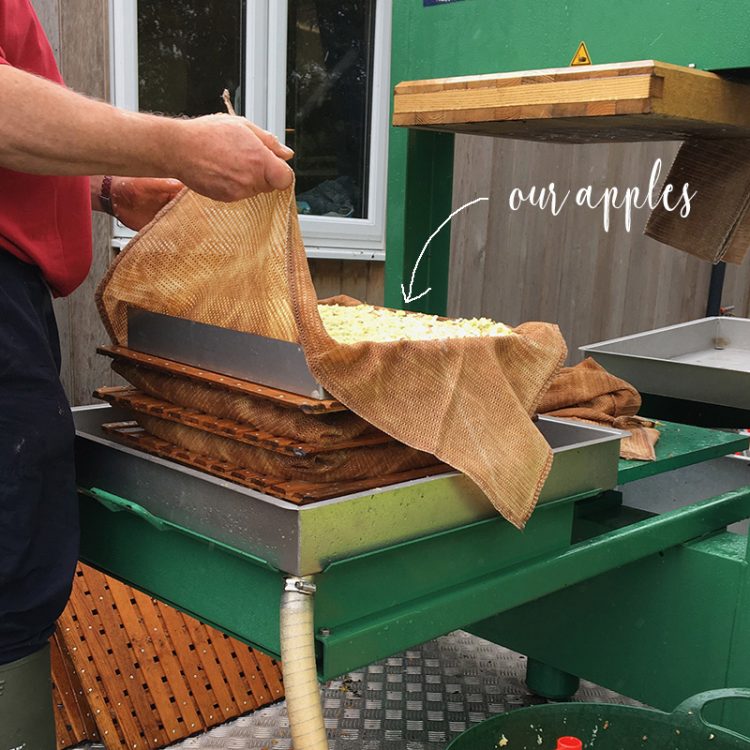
[304,539]
[271,362]
[705,360]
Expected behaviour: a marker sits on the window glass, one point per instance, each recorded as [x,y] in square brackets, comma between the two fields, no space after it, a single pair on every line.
[189,51]
[328,103]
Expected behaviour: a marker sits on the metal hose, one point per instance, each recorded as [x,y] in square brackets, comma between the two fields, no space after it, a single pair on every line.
[303,700]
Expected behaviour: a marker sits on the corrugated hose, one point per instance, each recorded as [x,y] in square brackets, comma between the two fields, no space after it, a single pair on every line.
[303,699]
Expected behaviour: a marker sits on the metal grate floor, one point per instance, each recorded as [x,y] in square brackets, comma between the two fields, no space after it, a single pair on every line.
[418,700]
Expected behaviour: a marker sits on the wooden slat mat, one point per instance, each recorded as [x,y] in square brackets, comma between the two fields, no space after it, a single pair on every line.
[217,380]
[294,491]
[135,400]
[146,675]
[74,719]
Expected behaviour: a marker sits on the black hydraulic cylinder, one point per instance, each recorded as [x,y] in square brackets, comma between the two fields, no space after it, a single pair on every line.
[715,288]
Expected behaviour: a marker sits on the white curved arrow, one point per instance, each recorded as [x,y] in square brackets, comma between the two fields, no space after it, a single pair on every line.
[408,295]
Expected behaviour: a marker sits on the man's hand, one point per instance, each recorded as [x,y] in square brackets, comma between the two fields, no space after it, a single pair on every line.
[48,129]
[136,200]
[228,158]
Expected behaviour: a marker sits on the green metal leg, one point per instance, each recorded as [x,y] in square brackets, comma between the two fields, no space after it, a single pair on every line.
[550,682]
[419,200]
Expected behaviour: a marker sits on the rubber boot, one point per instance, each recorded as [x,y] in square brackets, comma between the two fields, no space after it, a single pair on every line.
[26,718]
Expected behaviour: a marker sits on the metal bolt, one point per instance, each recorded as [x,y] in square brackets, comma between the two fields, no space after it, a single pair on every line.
[301,585]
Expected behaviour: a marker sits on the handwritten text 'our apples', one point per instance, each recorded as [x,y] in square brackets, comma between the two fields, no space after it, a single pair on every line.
[546,198]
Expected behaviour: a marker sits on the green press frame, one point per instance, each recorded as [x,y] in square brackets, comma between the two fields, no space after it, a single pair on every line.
[474,37]
[654,606]
[619,628]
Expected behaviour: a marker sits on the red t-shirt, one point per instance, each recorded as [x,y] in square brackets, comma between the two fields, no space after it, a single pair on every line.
[43,220]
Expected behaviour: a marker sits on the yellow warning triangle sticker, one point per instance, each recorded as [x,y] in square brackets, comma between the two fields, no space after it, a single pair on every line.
[581,56]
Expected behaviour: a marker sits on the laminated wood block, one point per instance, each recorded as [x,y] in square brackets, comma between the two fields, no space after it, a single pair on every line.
[632,101]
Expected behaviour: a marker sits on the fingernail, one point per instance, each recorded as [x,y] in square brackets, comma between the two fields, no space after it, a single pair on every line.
[286,150]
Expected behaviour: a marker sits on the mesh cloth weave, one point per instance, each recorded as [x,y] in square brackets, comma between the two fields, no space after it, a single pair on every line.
[588,393]
[243,266]
[261,414]
[718,225]
[340,465]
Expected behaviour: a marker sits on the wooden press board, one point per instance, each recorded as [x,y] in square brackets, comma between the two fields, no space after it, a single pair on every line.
[633,101]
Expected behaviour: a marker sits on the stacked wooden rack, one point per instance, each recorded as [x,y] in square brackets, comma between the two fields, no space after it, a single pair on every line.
[296,491]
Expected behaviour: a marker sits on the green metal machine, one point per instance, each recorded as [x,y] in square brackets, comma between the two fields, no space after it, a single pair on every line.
[473,37]
[655,606]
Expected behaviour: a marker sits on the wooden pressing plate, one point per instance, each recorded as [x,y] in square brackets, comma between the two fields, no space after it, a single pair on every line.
[282,398]
[294,491]
[134,400]
[630,101]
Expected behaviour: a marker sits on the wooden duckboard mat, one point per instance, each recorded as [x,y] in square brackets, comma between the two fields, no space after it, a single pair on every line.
[293,490]
[135,400]
[131,672]
[74,718]
[633,101]
[217,380]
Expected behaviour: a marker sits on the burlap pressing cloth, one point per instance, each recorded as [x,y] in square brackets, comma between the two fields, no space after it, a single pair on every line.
[331,466]
[242,265]
[261,414]
[718,225]
[588,393]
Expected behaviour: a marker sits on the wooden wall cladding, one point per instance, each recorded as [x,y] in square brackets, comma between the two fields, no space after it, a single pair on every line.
[565,269]
[74,720]
[131,672]
[363,280]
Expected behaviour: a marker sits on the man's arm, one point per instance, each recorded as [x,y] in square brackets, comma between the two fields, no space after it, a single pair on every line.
[48,129]
[134,200]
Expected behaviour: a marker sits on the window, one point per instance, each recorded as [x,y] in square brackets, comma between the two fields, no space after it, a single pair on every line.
[174,41]
[314,72]
[329,65]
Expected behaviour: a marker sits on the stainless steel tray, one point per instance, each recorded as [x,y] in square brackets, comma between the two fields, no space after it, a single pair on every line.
[705,360]
[304,539]
[271,362]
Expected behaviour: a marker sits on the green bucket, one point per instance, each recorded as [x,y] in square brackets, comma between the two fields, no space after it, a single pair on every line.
[603,726]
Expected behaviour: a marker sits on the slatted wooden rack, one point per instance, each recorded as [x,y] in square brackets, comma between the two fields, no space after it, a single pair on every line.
[293,490]
[134,400]
[216,380]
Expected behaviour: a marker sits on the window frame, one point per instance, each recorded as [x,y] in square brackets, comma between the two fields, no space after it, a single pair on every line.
[265,104]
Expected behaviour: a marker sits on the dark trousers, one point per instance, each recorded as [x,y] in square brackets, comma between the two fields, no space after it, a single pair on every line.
[38,503]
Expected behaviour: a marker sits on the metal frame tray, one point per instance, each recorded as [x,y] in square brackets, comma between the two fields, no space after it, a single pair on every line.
[706,361]
[302,540]
[270,362]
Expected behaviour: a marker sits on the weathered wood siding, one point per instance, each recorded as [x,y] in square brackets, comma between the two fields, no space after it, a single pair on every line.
[530,265]
[78,31]
[362,280]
